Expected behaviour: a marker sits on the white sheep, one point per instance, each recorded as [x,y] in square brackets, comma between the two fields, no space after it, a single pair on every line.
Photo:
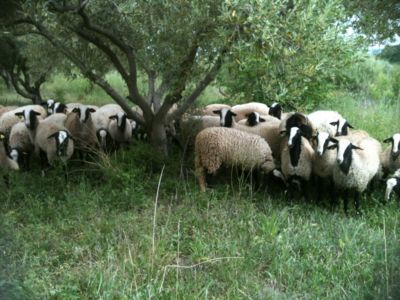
[5,109]
[209,109]
[216,146]
[275,110]
[72,106]
[329,121]
[242,110]
[322,164]
[6,163]
[390,157]
[101,120]
[20,144]
[53,143]
[58,118]
[300,120]
[120,128]
[357,164]
[296,161]
[27,112]
[270,131]
[80,125]
[254,118]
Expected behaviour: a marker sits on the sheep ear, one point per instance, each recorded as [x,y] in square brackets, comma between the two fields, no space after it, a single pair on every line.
[52,135]
[217,112]
[233,114]
[71,137]
[331,147]
[113,117]
[76,109]
[348,125]
[19,114]
[356,147]
[92,110]
[388,140]
[262,120]
[36,113]
[333,140]
[334,123]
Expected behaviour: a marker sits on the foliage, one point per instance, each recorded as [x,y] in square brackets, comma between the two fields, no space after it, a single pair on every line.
[376,19]
[391,53]
[297,56]
[375,79]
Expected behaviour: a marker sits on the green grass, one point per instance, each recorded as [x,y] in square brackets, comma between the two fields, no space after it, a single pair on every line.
[93,238]
[100,237]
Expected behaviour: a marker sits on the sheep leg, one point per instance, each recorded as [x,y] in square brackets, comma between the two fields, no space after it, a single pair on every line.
[43,160]
[357,202]
[200,174]
[333,194]
[346,202]
[6,178]
[65,172]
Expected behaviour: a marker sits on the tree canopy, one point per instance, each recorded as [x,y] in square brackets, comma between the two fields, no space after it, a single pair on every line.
[281,50]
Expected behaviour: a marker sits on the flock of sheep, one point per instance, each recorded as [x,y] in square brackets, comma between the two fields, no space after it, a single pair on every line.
[293,147]
[55,131]
[321,146]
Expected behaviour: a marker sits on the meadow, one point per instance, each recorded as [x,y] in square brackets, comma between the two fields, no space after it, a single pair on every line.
[133,226]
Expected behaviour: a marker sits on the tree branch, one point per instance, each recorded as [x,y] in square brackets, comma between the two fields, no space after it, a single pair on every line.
[86,71]
[180,83]
[199,89]
[105,49]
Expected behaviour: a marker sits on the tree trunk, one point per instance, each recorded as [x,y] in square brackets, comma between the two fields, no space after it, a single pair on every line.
[158,136]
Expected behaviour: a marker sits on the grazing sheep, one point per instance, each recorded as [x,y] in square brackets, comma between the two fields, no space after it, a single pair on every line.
[59,107]
[275,110]
[357,164]
[390,157]
[120,128]
[80,125]
[20,144]
[299,120]
[323,163]
[192,125]
[53,143]
[268,130]
[329,121]
[72,106]
[296,161]
[393,183]
[49,103]
[5,109]
[7,121]
[242,110]
[216,146]
[58,118]
[6,163]
[101,121]
[28,112]
[254,118]
[209,109]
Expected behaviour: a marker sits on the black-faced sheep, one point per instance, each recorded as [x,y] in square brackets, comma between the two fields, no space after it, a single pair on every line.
[296,161]
[390,157]
[357,164]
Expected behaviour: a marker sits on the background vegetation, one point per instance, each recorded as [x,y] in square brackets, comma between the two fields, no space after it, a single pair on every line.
[113,232]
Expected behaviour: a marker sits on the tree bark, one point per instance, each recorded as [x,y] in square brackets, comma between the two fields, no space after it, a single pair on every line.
[158,136]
